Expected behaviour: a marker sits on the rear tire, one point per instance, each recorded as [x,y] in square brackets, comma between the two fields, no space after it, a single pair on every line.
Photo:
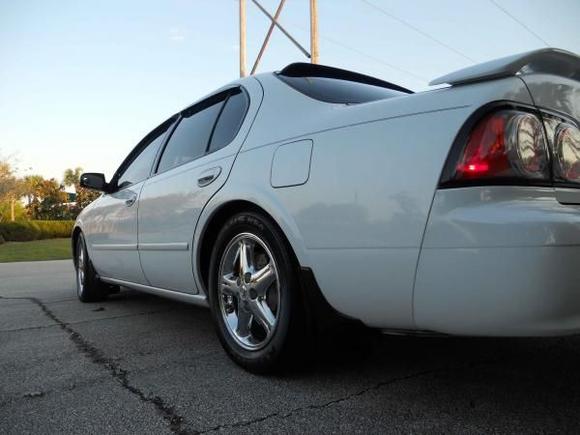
[89,287]
[254,295]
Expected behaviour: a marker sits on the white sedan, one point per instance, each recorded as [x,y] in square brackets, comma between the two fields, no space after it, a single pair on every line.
[286,197]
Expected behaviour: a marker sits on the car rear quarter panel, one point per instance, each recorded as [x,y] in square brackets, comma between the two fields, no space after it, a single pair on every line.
[359,220]
[499,260]
[503,260]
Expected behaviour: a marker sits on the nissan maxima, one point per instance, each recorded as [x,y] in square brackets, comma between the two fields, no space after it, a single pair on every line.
[285,197]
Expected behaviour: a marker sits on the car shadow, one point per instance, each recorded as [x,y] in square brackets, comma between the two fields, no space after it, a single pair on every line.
[532,378]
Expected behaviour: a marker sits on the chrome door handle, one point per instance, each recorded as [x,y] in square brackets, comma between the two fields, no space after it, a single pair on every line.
[129,202]
[207,177]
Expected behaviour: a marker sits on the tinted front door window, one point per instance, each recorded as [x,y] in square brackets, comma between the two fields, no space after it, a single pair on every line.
[138,170]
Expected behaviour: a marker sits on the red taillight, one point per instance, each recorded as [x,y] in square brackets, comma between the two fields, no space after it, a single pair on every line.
[484,154]
[475,168]
[503,146]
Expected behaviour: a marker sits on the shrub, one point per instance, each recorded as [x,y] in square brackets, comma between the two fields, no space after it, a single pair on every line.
[54,229]
[2,239]
[24,231]
[19,231]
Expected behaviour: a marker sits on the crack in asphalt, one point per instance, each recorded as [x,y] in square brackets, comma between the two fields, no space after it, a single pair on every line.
[48,392]
[175,421]
[51,302]
[121,375]
[317,406]
[80,322]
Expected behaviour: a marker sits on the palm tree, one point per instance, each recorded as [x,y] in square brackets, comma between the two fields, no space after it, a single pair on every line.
[10,186]
[83,197]
[30,186]
[72,177]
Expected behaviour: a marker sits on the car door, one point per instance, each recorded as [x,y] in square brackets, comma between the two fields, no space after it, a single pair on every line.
[112,225]
[193,165]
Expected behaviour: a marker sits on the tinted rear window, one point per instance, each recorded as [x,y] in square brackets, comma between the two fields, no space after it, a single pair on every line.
[333,90]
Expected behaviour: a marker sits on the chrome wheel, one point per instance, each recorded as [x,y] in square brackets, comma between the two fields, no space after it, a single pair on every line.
[80,267]
[249,291]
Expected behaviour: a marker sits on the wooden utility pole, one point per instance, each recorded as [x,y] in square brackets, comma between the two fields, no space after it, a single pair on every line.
[242,38]
[313,32]
[282,29]
[313,55]
[267,38]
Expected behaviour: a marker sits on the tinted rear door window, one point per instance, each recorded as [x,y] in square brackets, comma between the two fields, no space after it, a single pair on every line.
[191,136]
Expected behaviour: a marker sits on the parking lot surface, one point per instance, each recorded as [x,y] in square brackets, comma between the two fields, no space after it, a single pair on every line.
[141,364]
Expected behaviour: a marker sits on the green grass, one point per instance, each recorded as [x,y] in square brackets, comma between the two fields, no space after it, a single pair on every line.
[37,250]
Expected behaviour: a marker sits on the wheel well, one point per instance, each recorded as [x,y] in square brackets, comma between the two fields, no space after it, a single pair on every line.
[212,230]
[317,309]
[74,238]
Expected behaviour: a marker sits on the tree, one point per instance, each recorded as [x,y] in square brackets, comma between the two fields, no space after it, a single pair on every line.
[9,209]
[10,189]
[7,179]
[30,186]
[31,190]
[45,199]
[72,177]
[52,203]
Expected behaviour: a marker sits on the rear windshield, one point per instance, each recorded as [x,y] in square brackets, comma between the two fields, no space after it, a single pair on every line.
[332,90]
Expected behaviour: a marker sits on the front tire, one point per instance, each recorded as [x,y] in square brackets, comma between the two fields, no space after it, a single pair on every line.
[89,287]
[254,294]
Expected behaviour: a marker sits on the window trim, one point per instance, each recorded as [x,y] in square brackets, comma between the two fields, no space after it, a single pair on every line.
[197,107]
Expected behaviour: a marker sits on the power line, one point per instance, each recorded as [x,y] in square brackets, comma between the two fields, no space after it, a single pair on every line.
[368,56]
[416,29]
[520,23]
[376,59]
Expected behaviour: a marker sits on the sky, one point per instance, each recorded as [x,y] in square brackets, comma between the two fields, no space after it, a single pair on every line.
[82,82]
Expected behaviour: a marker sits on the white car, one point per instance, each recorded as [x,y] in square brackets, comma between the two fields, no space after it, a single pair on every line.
[315,190]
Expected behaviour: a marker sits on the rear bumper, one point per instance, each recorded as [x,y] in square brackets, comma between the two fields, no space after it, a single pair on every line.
[499,261]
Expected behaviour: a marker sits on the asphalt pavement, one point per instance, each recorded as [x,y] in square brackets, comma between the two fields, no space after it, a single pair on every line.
[141,364]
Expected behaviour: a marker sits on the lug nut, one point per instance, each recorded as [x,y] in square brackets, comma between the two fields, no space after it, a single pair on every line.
[228,304]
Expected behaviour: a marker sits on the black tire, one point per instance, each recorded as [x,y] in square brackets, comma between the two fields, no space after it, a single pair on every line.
[288,341]
[88,285]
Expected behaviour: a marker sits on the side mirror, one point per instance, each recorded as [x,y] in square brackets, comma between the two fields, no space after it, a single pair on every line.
[95,181]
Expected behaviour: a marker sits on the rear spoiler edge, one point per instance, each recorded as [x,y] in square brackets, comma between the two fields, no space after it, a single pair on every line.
[547,60]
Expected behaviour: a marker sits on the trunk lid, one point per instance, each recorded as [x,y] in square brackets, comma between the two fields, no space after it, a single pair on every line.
[555,92]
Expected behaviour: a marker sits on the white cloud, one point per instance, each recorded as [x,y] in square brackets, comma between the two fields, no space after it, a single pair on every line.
[176,34]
